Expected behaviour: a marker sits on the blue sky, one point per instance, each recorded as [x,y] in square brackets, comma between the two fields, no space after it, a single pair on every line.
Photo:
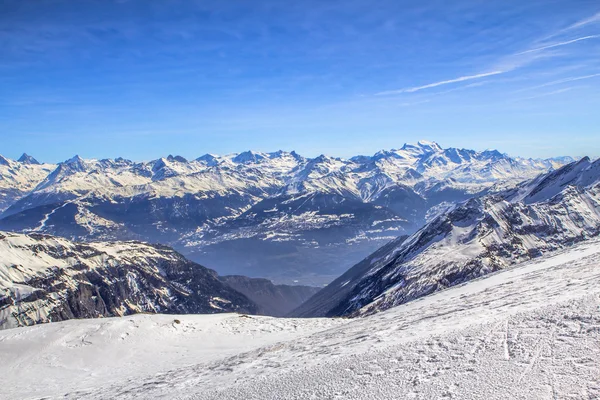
[143,78]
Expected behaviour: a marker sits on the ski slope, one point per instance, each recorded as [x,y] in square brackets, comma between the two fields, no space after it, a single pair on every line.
[528,332]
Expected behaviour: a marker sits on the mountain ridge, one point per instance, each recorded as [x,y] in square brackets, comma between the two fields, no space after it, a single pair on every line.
[46,279]
[307,209]
[471,239]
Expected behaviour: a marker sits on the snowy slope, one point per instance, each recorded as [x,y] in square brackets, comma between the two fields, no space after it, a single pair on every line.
[527,332]
[52,359]
[477,237]
[45,279]
[277,215]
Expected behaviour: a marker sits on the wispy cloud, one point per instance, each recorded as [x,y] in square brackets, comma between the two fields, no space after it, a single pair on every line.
[550,46]
[587,21]
[512,62]
[441,83]
[577,25]
[555,92]
[560,81]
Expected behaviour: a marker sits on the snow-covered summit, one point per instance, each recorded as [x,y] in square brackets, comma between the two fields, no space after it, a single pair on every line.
[580,174]
[249,157]
[209,159]
[421,147]
[422,162]
[18,178]
[27,159]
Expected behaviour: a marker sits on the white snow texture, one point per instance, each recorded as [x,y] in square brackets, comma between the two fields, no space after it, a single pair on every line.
[531,331]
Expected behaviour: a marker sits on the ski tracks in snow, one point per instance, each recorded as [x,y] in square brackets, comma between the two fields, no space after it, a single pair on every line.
[44,220]
[547,360]
[522,334]
[532,332]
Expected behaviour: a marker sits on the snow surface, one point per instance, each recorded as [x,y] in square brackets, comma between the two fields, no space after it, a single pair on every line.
[528,332]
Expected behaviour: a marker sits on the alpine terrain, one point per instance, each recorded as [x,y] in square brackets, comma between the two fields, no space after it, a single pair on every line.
[474,238]
[19,178]
[274,215]
[231,200]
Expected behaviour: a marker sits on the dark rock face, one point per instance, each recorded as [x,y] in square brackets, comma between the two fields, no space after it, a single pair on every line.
[273,300]
[104,280]
[27,159]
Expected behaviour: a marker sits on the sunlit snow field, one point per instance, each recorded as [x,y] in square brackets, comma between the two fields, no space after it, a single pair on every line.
[530,332]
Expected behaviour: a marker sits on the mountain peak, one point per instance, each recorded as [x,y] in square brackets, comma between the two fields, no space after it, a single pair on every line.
[580,173]
[563,159]
[277,154]
[27,159]
[492,154]
[74,164]
[180,159]
[381,154]
[159,164]
[584,160]
[74,160]
[322,159]
[209,159]
[296,155]
[424,146]
[429,145]
[4,161]
[248,157]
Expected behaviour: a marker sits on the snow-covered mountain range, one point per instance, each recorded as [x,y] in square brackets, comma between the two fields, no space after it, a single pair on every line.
[471,239]
[518,259]
[277,215]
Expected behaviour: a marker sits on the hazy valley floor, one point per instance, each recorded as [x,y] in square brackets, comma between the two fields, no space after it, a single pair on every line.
[531,332]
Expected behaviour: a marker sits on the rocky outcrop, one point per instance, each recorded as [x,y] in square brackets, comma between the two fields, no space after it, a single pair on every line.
[46,279]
